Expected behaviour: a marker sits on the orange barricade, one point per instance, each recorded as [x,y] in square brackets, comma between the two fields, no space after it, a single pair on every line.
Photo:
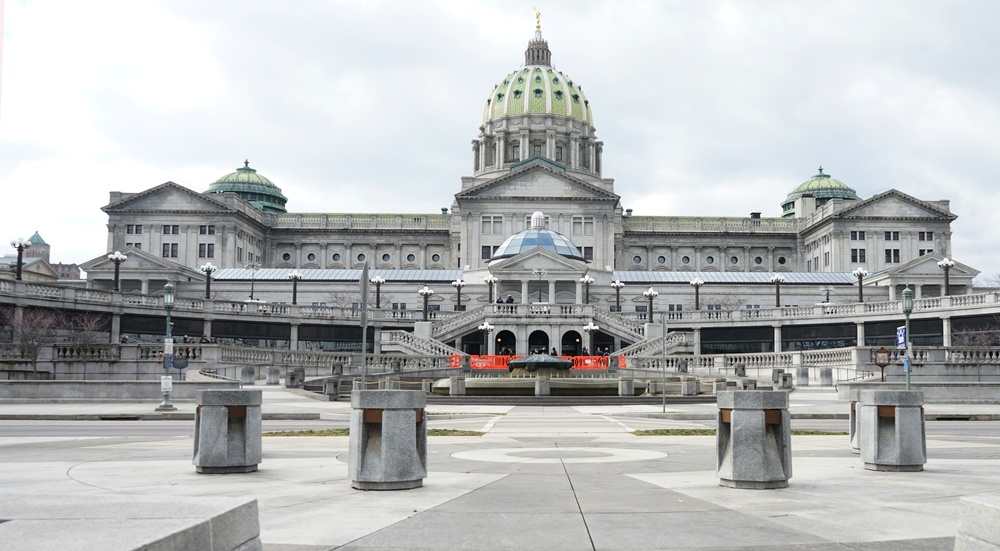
[454,361]
[589,362]
[622,363]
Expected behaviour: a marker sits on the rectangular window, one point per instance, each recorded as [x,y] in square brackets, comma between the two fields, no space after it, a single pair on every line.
[809,265]
[926,251]
[175,229]
[487,252]
[207,230]
[130,228]
[892,256]
[515,153]
[892,236]
[206,250]
[583,225]
[538,151]
[492,225]
[588,253]
[925,236]
[826,259]
[858,255]
[527,222]
[170,250]
[857,236]
[559,154]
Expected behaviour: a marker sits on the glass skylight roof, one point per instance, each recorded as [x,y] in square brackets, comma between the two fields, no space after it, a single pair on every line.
[529,239]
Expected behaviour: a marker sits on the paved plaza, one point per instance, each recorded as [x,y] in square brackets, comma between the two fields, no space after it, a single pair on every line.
[541,478]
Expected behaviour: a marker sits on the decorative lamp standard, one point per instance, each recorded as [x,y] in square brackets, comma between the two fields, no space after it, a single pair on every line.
[650,294]
[208,268]
[539,272]
[378,281]
[826,289]
[253,267]
[20,244]
[587,281]
[295,276]
[590,329]
[168,350]
[907,310]
[458,284]
[946,265]
[117,257]
[777,280]
[860,273]
[617,286]
[490,281]
[426,293]
[696,283]
[486,328]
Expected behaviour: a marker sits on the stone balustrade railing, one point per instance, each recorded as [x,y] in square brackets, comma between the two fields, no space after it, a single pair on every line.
[417,345]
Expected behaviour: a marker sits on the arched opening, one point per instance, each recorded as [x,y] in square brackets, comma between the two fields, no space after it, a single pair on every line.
[473,343]
[506,343]
[538,342]
[572,344]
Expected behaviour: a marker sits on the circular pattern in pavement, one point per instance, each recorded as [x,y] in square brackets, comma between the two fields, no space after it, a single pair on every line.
[559,455]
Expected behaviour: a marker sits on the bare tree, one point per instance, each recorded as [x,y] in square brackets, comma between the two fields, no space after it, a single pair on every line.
[31,329]
[987,334]
[88,327]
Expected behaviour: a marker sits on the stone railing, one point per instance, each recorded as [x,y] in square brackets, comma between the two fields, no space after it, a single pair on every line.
[364,221]
[47,291]
[230,354]
[92,295]
[653,346]
[141,300]
[311,358]
[88,352]
[972,355]
[826,358]
[624,325]
[411,342]
[709,224]
[457,321]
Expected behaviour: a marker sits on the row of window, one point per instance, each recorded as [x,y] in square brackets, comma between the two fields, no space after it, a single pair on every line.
[361,257]
[170,229]
[893,236]
[170,250]
[492,224]
[637,259]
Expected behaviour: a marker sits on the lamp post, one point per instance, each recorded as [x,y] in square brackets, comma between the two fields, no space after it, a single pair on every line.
[650,294]
[587,281]
[539,272]
[490,281]
[860,273]
[20,244]
[378,281]
[777,280]
[907,310]
[486,328]
[253,267]
[168,350]
[458,284]
[295,276]
[946,265]
[425,293]
[590,329]
[617,286]
[117,257]
[696,283]
[826,289]
[208,268]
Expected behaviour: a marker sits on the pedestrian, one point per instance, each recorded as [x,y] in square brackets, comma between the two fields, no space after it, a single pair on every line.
[510,299]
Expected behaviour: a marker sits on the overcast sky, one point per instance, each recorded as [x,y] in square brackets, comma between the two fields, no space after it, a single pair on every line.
[705,107]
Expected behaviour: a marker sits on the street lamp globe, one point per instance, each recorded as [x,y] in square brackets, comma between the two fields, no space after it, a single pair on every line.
[650,294]
[377,281]
[425,293]
[860,273]
[117,257]
[490,281]
[696,283]
[618,286]
[458,284]
[777,280]
[208,268]
[946,264]
[587,281]
[590,329]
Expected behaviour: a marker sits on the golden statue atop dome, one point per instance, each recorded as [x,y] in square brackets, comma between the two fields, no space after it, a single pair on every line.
[538,19]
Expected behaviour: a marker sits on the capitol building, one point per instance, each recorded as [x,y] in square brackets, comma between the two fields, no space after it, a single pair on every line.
[538,225]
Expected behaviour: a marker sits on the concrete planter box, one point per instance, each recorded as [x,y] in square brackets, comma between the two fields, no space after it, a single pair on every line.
[227,431]
[892,434]
[388,443]
[753,439]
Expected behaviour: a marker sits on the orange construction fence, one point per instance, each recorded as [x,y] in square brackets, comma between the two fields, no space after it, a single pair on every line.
[500,362]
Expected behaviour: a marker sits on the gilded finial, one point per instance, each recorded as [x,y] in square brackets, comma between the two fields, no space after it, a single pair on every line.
[538,19]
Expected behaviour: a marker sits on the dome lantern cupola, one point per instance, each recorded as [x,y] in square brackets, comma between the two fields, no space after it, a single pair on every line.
[820,188]
[252,187]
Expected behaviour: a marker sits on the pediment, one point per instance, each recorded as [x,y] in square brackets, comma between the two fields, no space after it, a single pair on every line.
[138,261]
[536,259]
[927,266]
[39,268]
[894,204]
[537,182]
[167,197]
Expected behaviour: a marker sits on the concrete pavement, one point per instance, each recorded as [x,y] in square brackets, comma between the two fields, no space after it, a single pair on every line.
[540,478]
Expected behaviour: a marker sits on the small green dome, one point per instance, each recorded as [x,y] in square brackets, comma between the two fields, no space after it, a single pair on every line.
[537,89]
[252,187]
[822,187]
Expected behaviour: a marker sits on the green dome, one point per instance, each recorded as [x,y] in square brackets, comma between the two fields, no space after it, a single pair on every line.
[252,187]
[537,89]
[820,186]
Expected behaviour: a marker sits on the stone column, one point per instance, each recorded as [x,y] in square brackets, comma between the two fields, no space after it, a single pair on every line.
[542,385]
[945,331]
[753,439]
[777,338]
[860,333]
[293,339]
[524,292]
[388,442]
[551,299]
[893,436]
[227,431]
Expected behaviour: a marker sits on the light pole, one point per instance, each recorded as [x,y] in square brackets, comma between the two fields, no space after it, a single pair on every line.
[663,360]
[590,329]
[378,281]
[168,350]
[907,310]
[539,272]
[20,244]
[587,281]
[490,281]
[827,290]
[458,284]
[860,273]
[208,268]
[777,280]
[295,276]
[253,267]
[650,294]
[617,286]
[117,257]
[486,328]
[696,283]
[946,264]
[425,293]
